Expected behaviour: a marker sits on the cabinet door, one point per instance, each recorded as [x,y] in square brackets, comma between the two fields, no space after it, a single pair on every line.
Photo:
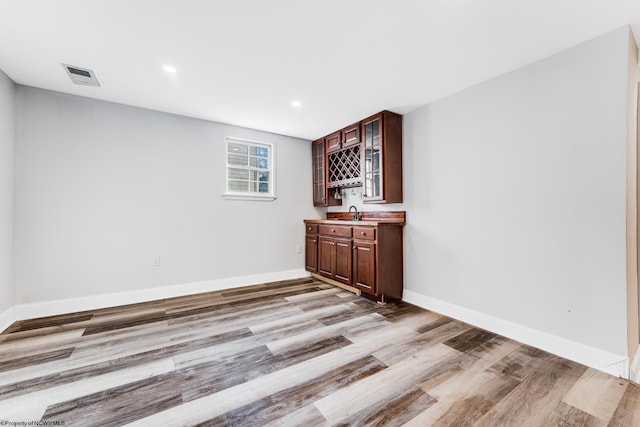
[364,266]
[333,141]
[326,256]
[343,264]
[311,253]
[351,135]
[319,173]
[372,158]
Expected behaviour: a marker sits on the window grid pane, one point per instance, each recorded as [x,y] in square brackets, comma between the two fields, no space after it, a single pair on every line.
[248,167]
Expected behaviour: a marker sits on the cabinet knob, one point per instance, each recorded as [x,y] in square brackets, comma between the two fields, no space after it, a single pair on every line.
[362,233]
[333,230]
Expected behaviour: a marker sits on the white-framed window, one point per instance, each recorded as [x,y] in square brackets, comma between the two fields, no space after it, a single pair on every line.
[249,169]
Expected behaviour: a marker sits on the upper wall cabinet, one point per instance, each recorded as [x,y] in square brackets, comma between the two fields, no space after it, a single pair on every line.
[351,135]
[343,138]
[333,141]
[319,168]
[382,158]
[321,194]
[368,154]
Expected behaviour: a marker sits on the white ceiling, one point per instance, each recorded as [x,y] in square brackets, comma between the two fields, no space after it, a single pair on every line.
[244,61]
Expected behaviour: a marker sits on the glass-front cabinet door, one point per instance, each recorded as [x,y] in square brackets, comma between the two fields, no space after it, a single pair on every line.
[372,159]
[318,166]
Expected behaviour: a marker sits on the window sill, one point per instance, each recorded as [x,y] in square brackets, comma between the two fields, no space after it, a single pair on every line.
[253,197]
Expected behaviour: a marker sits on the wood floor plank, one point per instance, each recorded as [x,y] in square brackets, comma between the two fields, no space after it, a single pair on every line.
[26,325]
[597,394]
[29,361]
[38,344]
[288,342]
[32,405]
[537,395]
[567,415]
[278,405]
[309,416]
[68,371]
[395,411]
[303,316]
[464,389]
[203,409]
[288,353]
[628,412]
[398,353]
[213,376]
[120,404]
[470,339]
[467,405]
[349,401]
[523,362]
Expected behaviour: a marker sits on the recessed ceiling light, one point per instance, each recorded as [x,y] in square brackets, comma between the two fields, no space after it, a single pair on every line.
[296,104]
[169,68]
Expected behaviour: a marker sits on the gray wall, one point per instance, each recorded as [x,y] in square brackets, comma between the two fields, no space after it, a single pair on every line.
[7,161]
[515,192]
[101,188]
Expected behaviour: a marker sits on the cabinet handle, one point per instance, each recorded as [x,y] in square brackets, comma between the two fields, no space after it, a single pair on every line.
[362,233]
[333,230]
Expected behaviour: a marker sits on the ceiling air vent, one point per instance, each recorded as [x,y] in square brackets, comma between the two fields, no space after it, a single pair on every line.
[81,76]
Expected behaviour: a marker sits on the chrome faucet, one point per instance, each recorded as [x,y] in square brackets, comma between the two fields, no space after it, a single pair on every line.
[356,216]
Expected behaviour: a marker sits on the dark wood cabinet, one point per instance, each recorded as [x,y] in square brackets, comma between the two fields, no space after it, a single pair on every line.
[351,135]
[311,248]
[343,261]
[367,258]
[326,256]
[334,258]
[333,141]
[364,266]
[382,158]
[319,167]
[334,252]
[368,154]
[321,194]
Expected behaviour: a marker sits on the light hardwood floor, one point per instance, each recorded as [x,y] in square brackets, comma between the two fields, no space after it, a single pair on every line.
[292,353]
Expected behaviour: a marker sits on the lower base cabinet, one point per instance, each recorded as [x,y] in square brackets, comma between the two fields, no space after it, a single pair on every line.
[364,266]
[366,257]
[334,259]
[311,253]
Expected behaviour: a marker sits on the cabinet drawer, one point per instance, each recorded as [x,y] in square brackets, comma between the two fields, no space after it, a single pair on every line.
[311,228]
[364,233]
[335,230]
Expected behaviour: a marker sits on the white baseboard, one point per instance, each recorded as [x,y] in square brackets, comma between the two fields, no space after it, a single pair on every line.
[601,360]
[7,317]
[72,305]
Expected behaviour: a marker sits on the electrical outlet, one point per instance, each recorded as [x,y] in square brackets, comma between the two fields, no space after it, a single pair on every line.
[155,262]
[298,249]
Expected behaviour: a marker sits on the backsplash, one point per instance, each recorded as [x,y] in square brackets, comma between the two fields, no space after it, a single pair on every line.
[353,197]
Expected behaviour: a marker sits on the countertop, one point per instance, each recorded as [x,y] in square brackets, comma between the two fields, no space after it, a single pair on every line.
[369,222]
[373,218]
